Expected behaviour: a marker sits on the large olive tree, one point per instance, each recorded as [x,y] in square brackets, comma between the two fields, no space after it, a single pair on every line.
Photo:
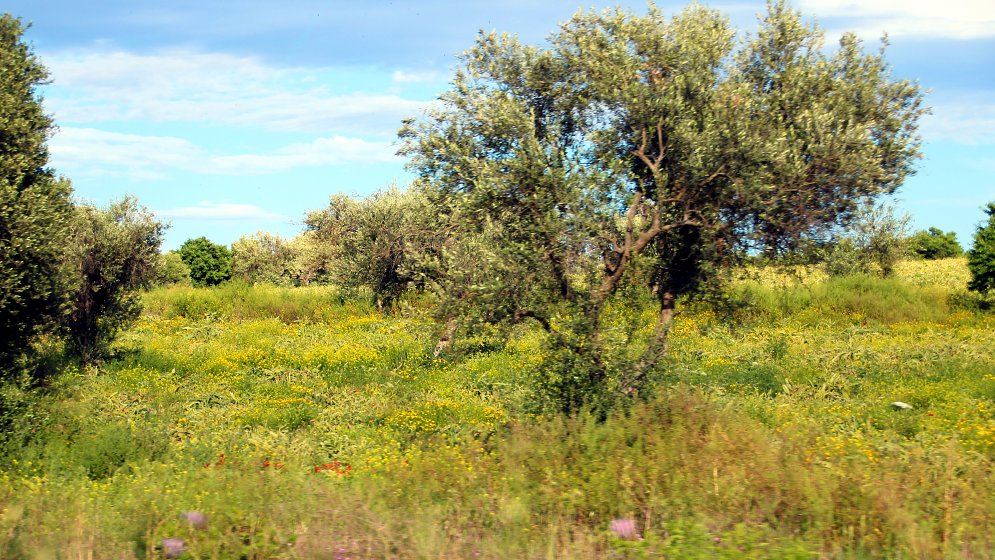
[34,204]
[645,150]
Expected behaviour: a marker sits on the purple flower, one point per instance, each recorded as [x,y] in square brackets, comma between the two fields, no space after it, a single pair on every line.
[625,528]
[172,547]
[196,519]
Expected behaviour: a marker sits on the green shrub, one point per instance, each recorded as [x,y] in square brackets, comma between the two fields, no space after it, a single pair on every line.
[110,255]
[981,257]
[263,258]
[210,264]
[171,270]
[933,244]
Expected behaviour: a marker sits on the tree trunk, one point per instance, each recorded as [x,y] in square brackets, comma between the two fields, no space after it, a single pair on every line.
[446,338]
[660,344]
[658,347]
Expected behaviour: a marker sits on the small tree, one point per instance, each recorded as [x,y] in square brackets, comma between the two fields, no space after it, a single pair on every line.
[386,242]
[34,205]
[210,264]
[263,258]
[111,254]
[981,257]
[934,244]
[171,270]
[875,240]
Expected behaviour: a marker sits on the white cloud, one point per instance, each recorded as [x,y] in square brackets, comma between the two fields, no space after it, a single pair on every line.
[956,19]
[320,152]
[98,152]
[191,86]
[206,210]
[965,119]
[414,77]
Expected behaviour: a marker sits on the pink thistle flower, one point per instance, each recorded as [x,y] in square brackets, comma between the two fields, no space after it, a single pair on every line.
[625,528]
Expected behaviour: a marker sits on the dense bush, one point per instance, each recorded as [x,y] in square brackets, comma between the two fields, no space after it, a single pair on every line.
[874,242]
[934,244]
[110,255]
[210,263]
[171,270]
[263,258]
[981,257]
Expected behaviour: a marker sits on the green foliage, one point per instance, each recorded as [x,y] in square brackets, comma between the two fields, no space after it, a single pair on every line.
[110,255]
[171,270]
[640,150]
[981,257]
[236,300]
[874,241]
[34,205]
[210,264]
[387,243]
[263,258]
[872,299]
[934,244]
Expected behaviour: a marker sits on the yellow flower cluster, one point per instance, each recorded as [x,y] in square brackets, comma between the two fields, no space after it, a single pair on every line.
[852,446]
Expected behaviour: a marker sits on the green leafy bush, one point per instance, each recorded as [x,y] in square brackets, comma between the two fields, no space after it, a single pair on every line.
[263,258]
[934,244]
[111,254]
[981,257]
[171,271]
[210,263]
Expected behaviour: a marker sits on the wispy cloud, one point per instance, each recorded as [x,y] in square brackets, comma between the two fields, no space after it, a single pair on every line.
[965,119]
[191,86]
[415,77]
[322,151]
[956,19]
[206,210]
[97,152]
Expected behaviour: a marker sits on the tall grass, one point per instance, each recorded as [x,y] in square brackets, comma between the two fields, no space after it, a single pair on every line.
[865,297]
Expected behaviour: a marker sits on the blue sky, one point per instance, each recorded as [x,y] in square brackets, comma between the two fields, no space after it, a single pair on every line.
[228,117]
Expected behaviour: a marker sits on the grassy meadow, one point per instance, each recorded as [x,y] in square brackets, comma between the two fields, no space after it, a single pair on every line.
[308,425]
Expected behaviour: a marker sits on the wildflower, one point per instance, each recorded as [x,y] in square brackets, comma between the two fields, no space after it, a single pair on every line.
[625,528]
[196,519]
[172,547]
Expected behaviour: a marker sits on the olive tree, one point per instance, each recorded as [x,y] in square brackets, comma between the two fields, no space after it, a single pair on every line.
[642,150]
[110,255]
[262,258]
[386,243]
[34,204]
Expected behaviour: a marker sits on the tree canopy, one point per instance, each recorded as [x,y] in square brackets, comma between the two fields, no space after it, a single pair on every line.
[34,204]
[637,150]
[934,244]
[210,263]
